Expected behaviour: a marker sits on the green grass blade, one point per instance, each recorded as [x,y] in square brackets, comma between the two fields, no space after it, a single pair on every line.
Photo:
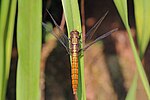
[122,9]
[4,10]
[72,15]
[29,29]
[142,15]
[9,37]
[1,63]
[8,40]
[132,91]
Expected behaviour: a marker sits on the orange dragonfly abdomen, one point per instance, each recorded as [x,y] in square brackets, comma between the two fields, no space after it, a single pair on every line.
[74,72]
[74,44]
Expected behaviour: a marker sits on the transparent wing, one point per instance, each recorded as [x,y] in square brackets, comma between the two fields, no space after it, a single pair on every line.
[99,38]
[64,36]
[91,32]
[59,36]
[63,39]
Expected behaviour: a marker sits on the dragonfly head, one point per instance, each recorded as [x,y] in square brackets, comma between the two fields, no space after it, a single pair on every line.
[74,34]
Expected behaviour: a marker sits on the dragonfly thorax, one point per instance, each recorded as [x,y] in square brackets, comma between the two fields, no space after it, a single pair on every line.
[74,41]
[74,37]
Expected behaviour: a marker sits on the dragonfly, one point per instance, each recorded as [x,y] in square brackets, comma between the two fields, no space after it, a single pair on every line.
[73,47]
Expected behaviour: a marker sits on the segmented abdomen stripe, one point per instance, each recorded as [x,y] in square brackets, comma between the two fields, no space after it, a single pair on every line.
[74,72]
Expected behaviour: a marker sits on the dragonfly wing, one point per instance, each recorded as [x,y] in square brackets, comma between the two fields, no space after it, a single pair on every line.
[63,39]
[99,38]
[91,32]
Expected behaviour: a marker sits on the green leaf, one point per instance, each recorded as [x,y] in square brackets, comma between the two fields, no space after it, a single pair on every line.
[72,16]
[3,12]
[9,37]
[122,9]
[142,15]
[29,29]
[132,91]
[7,19]
[3,21]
